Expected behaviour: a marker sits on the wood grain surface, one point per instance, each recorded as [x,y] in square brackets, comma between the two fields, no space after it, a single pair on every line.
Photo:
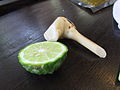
[82,70]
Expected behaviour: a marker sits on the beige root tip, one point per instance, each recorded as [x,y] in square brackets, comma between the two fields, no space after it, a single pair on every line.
[101,52]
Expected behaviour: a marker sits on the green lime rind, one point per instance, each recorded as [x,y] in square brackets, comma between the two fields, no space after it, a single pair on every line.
[44,68]
[119,77]
[47,68]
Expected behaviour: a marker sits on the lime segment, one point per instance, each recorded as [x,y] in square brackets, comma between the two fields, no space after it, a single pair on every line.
[36,56]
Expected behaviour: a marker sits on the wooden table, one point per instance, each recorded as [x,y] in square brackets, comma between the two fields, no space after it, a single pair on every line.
[82,70]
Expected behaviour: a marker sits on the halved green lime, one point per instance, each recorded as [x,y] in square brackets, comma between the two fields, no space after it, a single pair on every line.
[43,57]
[119,77]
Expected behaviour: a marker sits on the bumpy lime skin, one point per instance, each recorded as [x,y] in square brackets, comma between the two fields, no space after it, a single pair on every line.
[46,68]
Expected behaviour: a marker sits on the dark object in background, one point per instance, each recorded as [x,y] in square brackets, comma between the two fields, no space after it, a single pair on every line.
[5,2]
[7,6]
[116,30]
[95,5]
[115,24]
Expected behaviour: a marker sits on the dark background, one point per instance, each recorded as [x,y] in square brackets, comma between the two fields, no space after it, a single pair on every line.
[24,23]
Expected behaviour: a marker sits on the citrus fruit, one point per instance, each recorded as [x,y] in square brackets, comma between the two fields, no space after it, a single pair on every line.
[43,57]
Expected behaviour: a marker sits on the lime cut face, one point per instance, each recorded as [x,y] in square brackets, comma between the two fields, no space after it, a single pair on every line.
[43,57]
